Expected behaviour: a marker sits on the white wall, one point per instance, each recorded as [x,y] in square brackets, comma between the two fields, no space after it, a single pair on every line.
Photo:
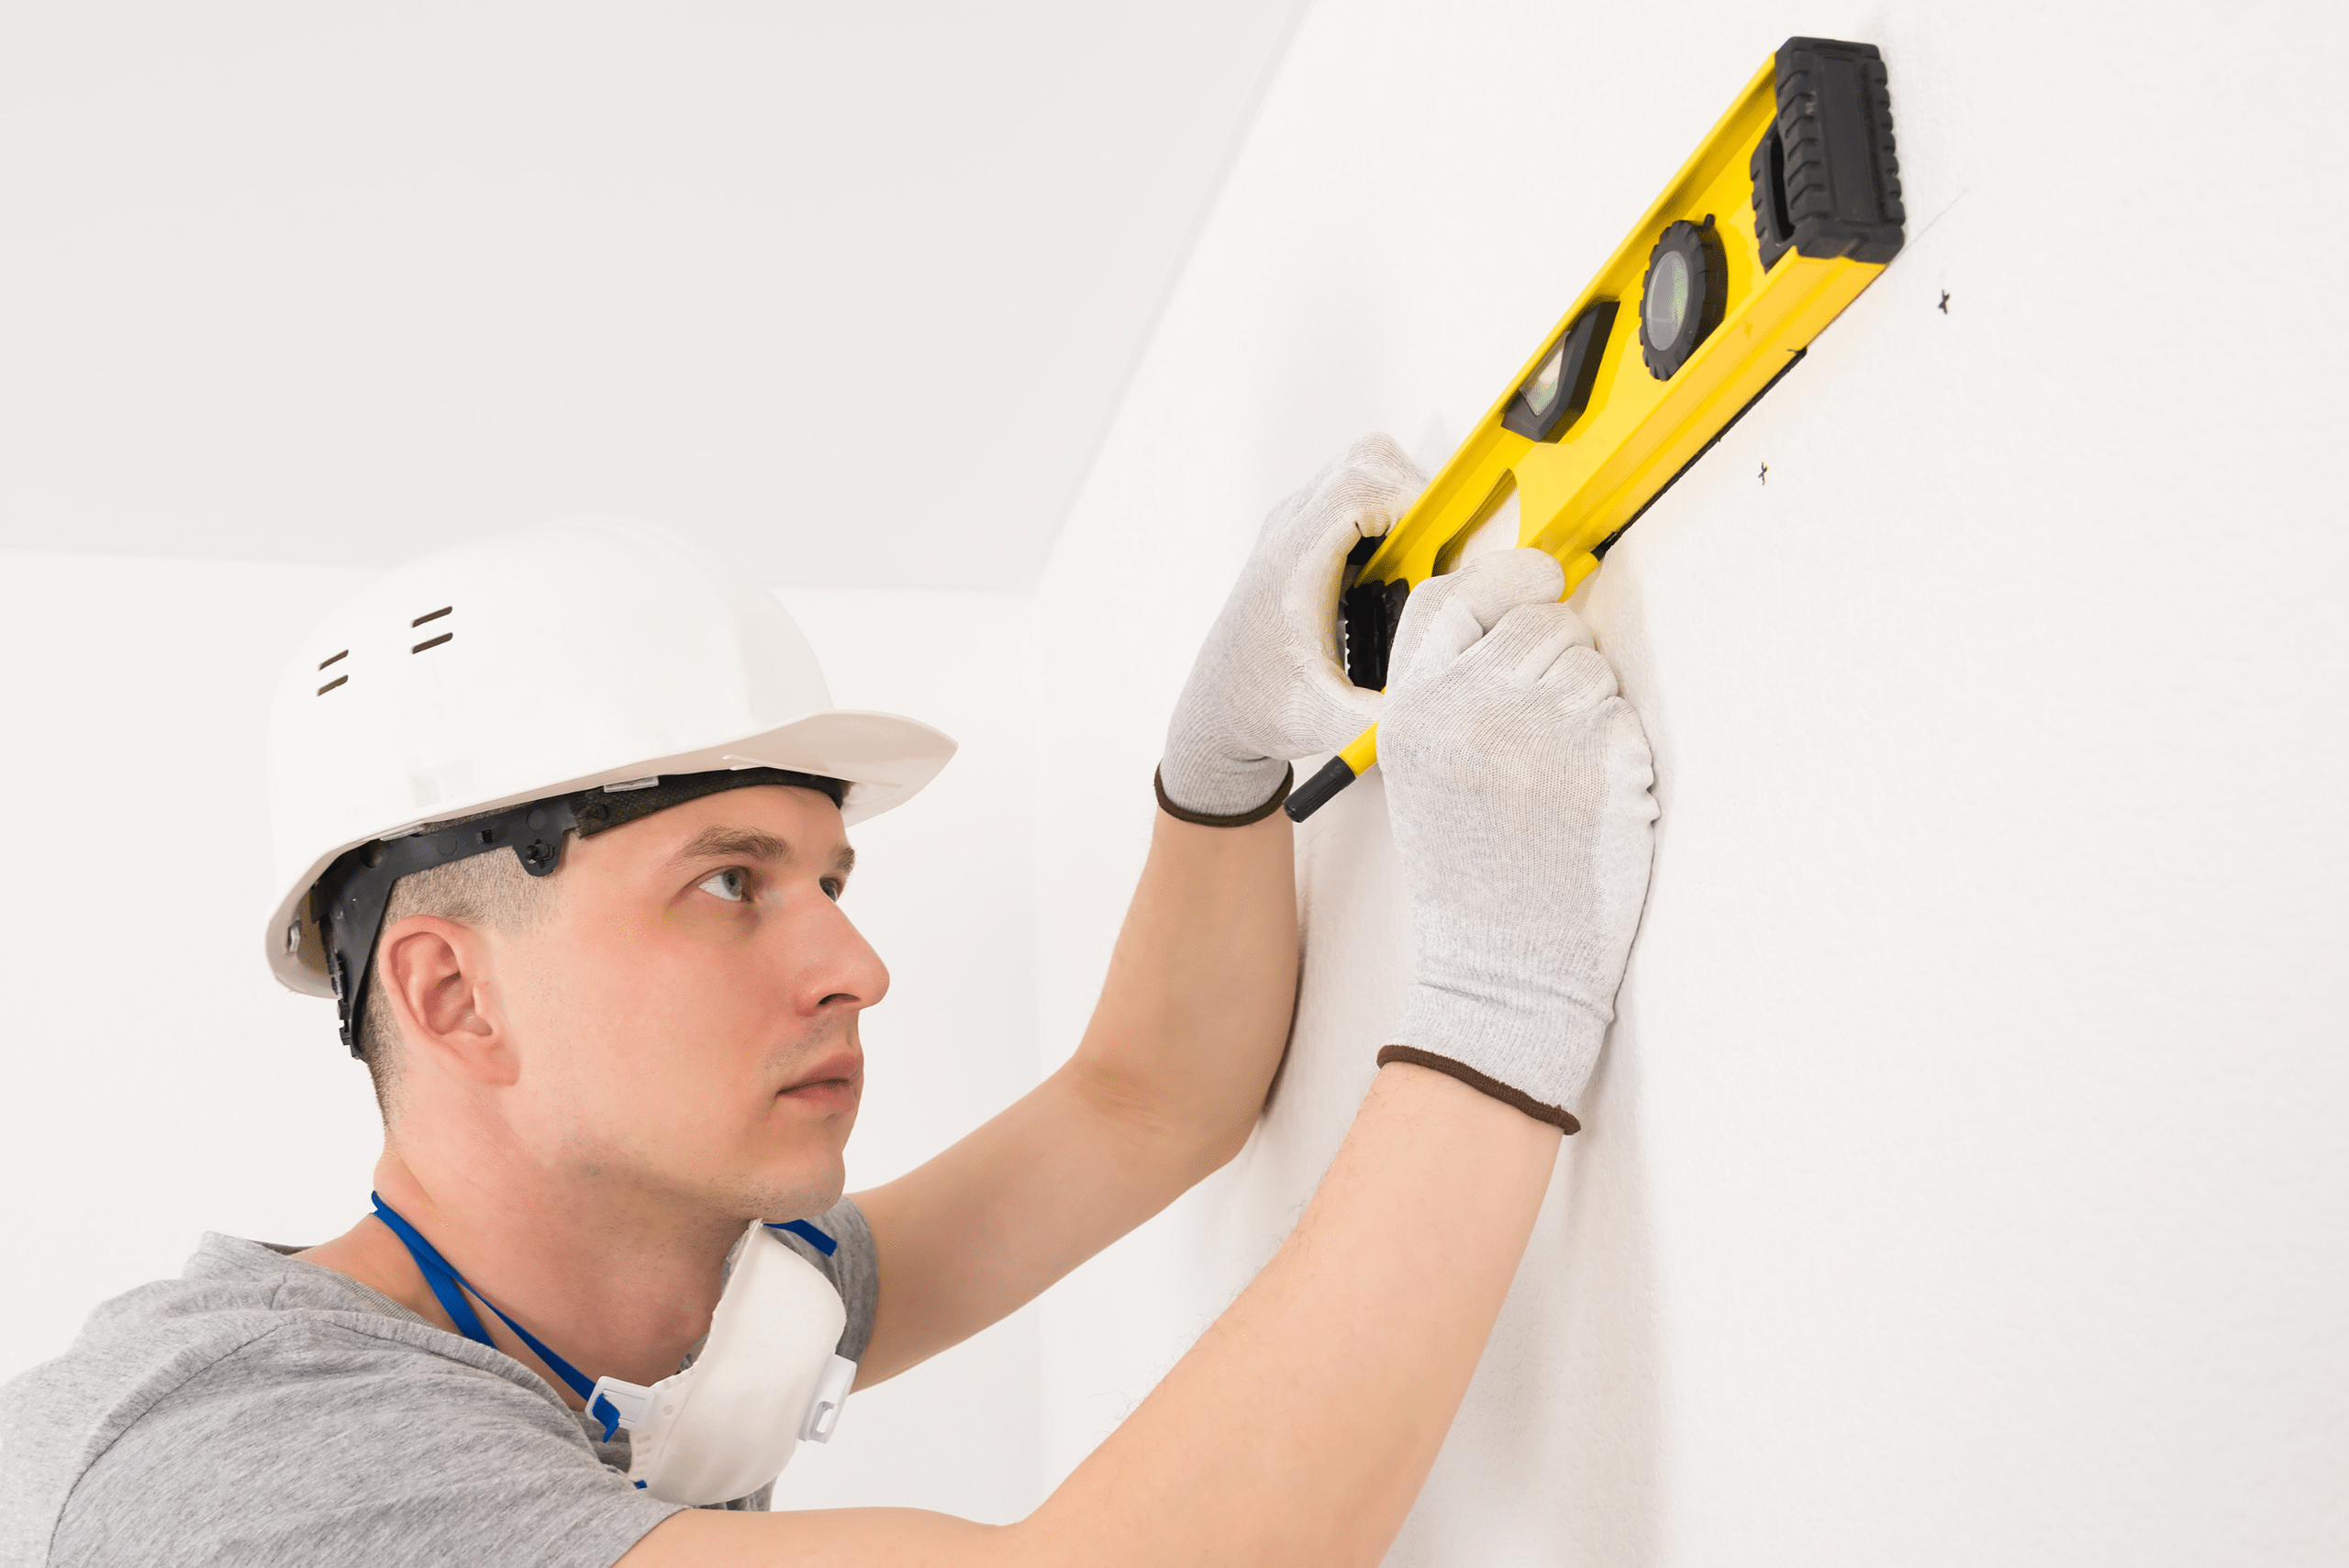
[1964,1180]
[155,1083]
[336,283]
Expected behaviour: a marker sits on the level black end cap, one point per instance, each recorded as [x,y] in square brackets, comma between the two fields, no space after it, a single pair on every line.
[1841,175]
[1317,790]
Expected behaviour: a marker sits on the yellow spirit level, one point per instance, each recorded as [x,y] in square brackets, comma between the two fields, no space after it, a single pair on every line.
[1784,213]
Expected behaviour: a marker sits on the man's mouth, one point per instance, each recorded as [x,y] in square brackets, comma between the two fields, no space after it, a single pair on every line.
[832,1083]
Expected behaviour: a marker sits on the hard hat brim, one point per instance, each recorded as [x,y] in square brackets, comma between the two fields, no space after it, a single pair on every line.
[885,758]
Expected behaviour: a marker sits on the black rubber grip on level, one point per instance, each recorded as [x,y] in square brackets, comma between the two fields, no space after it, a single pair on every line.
[1317,790]
[1367,616]
[1841,176]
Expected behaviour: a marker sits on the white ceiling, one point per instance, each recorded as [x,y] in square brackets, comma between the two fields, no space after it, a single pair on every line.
[846,293]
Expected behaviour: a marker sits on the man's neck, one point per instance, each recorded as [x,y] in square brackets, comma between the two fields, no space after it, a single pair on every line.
[614,1284]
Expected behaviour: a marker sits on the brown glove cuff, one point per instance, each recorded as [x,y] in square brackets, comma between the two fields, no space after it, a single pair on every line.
[1157,782]
[1557,1116]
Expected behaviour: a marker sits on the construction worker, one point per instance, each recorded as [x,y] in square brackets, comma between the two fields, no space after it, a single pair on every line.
[562,826]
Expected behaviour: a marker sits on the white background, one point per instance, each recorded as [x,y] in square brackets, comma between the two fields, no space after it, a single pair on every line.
[850,289]
[1965,1180]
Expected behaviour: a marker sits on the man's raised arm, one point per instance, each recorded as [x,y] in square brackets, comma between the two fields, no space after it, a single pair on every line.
[1173,1067]
[1301,1426]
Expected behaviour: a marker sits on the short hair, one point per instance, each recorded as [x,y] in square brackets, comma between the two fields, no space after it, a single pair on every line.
[491,891]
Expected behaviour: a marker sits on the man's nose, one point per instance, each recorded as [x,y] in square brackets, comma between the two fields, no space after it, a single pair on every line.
[838,968]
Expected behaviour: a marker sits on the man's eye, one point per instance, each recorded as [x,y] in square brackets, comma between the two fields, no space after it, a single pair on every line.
[833,888]
[733,885]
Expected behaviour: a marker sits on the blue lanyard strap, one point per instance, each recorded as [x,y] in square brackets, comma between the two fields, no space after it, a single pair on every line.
[450,1287]
[808,1233]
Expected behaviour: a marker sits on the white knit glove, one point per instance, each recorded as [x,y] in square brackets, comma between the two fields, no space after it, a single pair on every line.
[1268,687]
[1517,781]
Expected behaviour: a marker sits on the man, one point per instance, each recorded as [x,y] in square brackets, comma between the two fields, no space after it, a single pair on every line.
[562,824]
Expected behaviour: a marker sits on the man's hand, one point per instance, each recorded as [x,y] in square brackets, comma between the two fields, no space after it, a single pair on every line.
[1267,688]
[1516,781]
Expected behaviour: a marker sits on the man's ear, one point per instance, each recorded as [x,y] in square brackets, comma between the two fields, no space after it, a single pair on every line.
[434,974]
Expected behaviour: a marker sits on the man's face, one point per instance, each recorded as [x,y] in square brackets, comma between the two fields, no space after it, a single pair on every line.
[686,1020]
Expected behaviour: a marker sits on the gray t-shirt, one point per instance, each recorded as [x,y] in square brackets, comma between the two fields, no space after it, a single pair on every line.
[260,1409]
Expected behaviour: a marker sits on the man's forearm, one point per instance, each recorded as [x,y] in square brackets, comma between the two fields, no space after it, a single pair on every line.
[1299,1429]
[1301,1426]
[1195,1007]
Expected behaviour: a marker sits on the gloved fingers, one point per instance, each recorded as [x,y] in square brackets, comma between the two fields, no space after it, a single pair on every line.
[1581,678]
[1312,577]
[1497,582]
[1329,473]
[1321,544]
[1499,590]
[1434,630]
[1282,519]
[1358,497]
[1549,647]
[1310,590]
[1330,711]
[1431,636]
[1363,491]
[1446,613]
[1374,478]
[1529,642]
[1630,760]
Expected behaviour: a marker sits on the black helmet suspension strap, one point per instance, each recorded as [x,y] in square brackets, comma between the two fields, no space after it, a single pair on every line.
[354,892]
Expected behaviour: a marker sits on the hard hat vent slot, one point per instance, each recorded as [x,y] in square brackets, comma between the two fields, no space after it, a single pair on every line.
[432,641]
[331,686]
[334,658]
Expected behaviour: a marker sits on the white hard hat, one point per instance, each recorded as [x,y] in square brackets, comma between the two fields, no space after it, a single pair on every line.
[538,665]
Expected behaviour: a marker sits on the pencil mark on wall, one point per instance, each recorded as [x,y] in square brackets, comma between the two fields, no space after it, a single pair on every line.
[1939,216]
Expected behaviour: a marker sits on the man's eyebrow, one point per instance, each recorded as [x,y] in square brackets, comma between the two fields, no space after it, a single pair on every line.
[718,843]
[750,844]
